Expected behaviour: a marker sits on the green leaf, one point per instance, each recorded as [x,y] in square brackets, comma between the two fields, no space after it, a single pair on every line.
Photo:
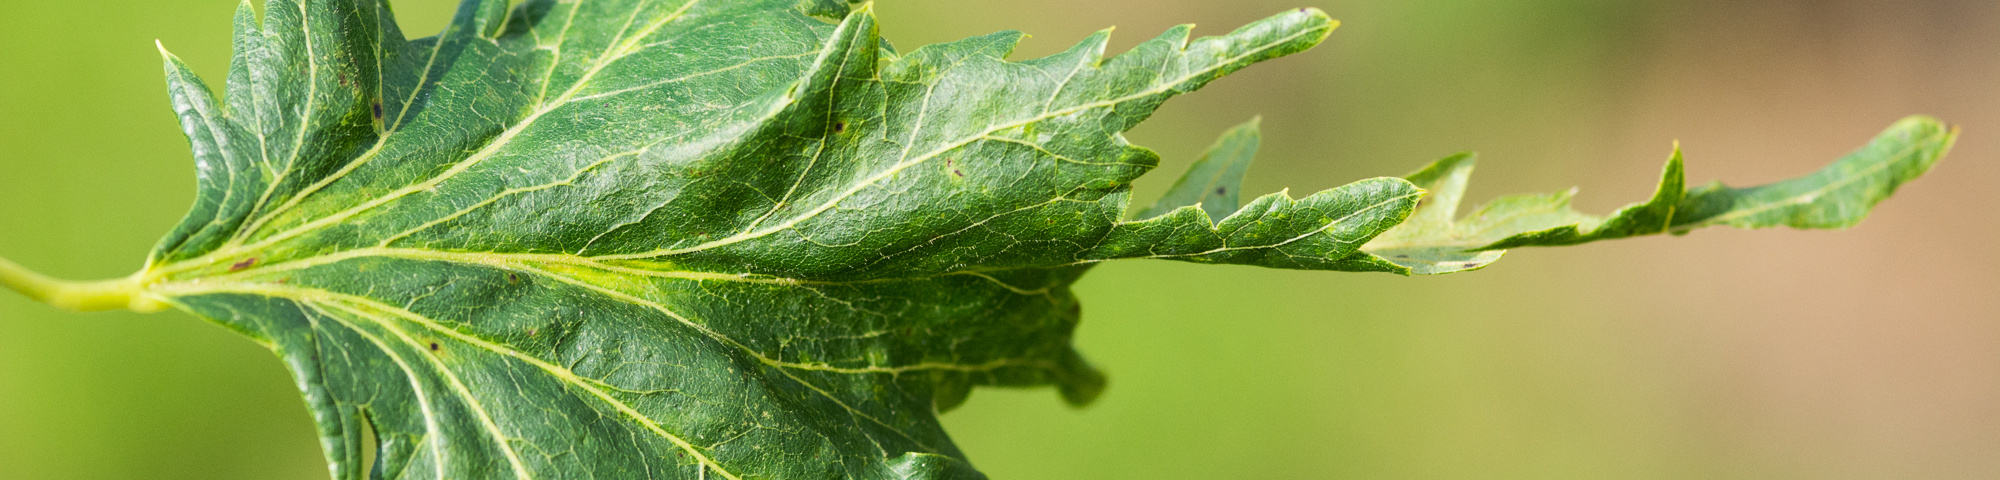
[740,238]
[1435,241]
[1216,179]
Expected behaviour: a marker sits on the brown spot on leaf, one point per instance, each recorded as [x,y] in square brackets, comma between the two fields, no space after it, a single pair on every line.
[839,126]
[1221,190]
[243,265]
[434,346]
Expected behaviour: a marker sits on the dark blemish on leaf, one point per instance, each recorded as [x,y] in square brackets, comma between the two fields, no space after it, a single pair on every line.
[243,265]
[513,277]
[531,332]
[958,173]
[434,346]
[1221,190]
[1471,264]
[1402,256]
[378,109]
[839,127]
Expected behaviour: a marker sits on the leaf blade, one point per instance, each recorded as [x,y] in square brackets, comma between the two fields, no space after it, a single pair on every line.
[1837,196]
[495,248]
[1216,180]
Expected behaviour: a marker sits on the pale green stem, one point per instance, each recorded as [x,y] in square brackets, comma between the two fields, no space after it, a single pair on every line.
[126,293]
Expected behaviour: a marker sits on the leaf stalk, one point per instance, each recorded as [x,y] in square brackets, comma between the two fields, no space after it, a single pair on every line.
[123,293]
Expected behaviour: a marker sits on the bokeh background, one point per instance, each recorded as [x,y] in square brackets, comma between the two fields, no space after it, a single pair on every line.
[1867,354]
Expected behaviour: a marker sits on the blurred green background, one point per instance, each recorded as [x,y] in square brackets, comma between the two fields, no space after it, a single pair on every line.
[1867,354]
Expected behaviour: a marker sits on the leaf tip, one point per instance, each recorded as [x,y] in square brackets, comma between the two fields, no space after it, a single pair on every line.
[1321,16]
[1326,24]
[173,62]
[246,8]
[1437,171]
[1079,383]
[1673,180]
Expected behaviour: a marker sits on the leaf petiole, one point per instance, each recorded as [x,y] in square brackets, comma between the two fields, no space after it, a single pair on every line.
[123,293]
